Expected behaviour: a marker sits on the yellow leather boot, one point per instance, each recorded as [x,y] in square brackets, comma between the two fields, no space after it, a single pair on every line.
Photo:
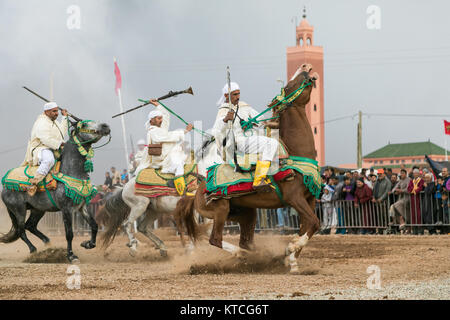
[260,183]
[34,181]
[180,185]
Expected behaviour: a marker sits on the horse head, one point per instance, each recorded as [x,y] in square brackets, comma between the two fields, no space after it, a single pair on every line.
[89,131]
[302,78]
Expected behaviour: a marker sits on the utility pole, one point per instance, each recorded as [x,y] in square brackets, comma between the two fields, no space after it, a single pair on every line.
[359,141]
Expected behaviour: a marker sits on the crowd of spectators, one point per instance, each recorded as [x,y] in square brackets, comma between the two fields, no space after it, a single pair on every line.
[366,201]
[115,179]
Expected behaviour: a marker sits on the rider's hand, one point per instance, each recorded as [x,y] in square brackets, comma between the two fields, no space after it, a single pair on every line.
[188,128]
[64,112]
[154,102]
[229,116]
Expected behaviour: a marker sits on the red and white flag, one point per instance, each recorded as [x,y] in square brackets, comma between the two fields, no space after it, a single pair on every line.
[118,77]
[447,127]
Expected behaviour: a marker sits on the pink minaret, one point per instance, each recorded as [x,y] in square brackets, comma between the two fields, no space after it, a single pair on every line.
[306,52]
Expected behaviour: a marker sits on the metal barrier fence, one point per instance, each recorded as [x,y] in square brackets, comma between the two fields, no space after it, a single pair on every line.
[52,222]
[419,212]
[424,211]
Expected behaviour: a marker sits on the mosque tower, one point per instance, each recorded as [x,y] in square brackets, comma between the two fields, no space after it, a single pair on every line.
[305,51]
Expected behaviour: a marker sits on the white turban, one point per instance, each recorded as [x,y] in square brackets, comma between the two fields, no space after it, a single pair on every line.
[233,87]
[50,105]
[151,115]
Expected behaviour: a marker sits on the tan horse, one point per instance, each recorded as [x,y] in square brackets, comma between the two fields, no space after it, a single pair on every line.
[295,131]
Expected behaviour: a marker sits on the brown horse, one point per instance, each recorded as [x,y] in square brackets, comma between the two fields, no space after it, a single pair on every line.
[295,131]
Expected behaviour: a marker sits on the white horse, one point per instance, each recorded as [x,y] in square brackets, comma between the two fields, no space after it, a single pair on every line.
[125,208]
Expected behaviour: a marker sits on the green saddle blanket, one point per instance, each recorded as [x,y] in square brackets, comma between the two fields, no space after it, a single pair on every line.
[221,176]
[154,177]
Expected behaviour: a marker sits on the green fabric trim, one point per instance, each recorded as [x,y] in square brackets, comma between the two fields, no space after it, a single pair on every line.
[211,182]
[302,159]
[277,190]
[157,171]
[25,172]
[76,189]
[50,196]
[311,181]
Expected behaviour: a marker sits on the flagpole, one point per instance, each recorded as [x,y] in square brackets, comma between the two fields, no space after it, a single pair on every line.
[124,135]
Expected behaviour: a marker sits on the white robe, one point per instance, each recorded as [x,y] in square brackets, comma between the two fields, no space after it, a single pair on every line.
[46,134]
[172,158]
[252,141]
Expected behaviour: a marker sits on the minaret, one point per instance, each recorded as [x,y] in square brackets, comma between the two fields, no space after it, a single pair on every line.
[306,52]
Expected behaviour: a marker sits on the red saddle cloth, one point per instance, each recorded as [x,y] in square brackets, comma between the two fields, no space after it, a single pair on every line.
[246,187]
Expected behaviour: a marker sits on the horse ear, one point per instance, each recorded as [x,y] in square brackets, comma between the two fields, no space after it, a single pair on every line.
[73,123]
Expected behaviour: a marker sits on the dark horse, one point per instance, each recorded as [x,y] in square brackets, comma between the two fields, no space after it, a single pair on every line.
[295,132]
[72,164]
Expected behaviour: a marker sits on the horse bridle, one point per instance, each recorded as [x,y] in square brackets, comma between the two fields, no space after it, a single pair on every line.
[78,127]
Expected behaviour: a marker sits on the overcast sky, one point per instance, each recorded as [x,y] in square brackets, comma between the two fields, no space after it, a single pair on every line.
[163,45]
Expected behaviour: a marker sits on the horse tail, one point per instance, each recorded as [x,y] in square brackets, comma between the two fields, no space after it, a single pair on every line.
[184,212]
[117,211]
[13,233]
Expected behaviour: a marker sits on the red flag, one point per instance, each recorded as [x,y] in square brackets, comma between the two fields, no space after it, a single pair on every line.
[118,77]
[447,127]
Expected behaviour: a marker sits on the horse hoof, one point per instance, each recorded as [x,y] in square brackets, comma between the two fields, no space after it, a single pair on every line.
[294,271]
[87,245]
[33,250]
[132,251]
[73,259]
[163,252]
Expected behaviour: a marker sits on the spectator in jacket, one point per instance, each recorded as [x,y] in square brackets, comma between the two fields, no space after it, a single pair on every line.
[381,189]
[337,196]
[394,180]
[108,180]
[428,216]
[328,209]
[439,189]
[363,195]
[401,207]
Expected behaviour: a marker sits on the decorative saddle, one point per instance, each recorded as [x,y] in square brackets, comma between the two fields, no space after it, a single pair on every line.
[18,179]
[223,181]
[152,183]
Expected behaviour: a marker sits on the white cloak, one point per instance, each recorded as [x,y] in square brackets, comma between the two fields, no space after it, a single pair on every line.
[46,134]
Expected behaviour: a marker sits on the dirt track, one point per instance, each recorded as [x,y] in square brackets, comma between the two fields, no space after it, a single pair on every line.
[332,267]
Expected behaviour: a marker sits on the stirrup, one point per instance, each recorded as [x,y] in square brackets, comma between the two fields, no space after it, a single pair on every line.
[31,190]
[180,185]
[264,186]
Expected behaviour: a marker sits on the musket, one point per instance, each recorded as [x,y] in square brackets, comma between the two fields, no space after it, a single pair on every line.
[46,100]
[170,94]
[232,146]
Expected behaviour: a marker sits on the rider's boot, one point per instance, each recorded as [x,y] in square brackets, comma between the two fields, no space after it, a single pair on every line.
[261,183]
[34,182]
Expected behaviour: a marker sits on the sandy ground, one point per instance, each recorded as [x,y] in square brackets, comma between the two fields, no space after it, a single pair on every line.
[331,267]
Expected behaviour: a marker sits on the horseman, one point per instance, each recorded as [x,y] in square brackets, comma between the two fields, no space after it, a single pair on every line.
[47,136]
[165,148]
[249,141]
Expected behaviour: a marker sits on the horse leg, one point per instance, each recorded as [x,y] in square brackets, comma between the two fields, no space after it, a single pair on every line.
[89,244]
[217,234]
[138,207]
[144,226]
[32,222]
[67,218]
[308,227]
[247,222]
[20,214]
